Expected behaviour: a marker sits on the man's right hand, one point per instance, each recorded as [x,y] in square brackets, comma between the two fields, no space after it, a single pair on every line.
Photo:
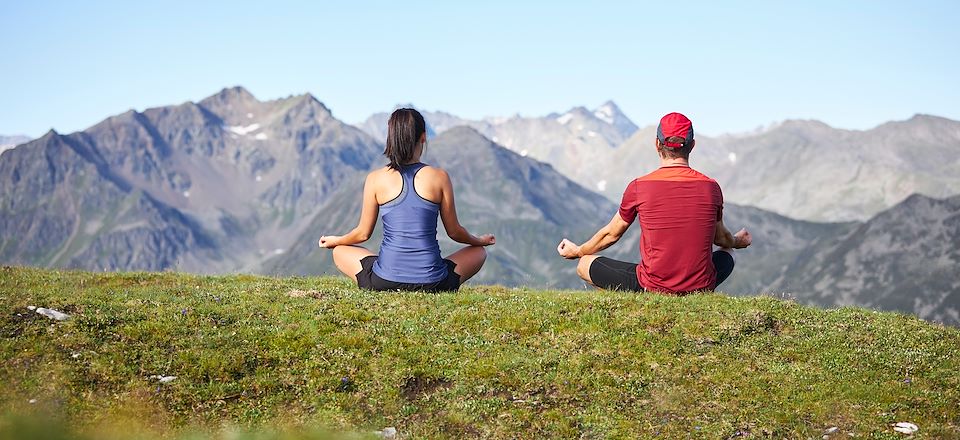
[568,249]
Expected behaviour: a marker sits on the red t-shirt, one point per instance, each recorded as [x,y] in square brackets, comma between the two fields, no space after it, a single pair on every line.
[678,208]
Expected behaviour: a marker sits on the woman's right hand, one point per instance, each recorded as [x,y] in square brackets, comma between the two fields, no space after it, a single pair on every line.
[328,241]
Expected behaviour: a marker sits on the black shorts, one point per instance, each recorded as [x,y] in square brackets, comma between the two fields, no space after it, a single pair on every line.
[611,274]
[368,279]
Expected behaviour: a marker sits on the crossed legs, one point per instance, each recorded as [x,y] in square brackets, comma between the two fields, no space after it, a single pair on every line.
[469,260]
[607,273]
[583,268]
[347,259]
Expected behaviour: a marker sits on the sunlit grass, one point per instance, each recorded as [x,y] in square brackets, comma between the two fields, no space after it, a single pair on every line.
[260,357]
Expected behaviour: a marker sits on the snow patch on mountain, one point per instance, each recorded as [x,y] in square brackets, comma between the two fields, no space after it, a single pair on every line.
[242,130]
[605,114]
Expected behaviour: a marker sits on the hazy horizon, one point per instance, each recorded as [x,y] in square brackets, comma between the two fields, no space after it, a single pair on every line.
[640,124]
[731,68]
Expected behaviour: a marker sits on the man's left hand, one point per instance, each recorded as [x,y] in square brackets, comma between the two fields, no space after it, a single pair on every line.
[567,249]
[742,239]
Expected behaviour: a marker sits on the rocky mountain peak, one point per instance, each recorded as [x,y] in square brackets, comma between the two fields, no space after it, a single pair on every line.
[51,137]
[232,94]
[306,107]
[923,127]
[309,99]
[231,104]
[803,125]
[577,112]
[925,118]
[610,113]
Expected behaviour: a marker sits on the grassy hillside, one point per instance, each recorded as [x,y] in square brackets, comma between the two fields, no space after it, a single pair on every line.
[300,353]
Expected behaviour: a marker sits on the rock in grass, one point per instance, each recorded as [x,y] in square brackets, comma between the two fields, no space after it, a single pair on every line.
[389,433]
[163,379]
[52,314]
[906,428]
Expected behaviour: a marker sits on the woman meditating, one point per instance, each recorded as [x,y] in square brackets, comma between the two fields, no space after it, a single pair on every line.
[408,195]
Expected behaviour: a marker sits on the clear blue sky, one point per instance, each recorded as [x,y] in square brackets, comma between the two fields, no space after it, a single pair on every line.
[731,66]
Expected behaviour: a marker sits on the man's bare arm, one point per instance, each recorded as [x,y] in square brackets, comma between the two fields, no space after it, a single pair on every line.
[604,238]
[725,239]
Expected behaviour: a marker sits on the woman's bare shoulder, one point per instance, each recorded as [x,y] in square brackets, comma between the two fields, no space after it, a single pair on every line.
[435,173]
[379,174]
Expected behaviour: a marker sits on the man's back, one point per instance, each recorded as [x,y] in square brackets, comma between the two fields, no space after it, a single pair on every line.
[678,209]
[681,218]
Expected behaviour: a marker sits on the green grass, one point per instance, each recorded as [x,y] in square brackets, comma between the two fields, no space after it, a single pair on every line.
[301,354]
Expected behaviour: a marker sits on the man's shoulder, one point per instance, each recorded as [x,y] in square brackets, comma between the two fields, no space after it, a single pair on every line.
[709,181]
[705,177]
[674,174]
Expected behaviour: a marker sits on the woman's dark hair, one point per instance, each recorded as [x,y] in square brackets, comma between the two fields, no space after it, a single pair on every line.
[404,129]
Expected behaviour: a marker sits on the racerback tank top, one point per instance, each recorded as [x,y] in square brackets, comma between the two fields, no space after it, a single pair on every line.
[410,252]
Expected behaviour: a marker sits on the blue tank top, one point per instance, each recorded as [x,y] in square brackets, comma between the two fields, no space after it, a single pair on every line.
[410,252]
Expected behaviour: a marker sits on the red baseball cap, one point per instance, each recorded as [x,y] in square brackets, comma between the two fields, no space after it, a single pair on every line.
[675,124]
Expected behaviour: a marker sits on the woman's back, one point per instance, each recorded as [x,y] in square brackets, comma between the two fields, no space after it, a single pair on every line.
[409,252]
[408,196]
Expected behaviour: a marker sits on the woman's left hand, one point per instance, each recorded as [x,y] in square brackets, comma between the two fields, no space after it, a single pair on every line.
[487,239]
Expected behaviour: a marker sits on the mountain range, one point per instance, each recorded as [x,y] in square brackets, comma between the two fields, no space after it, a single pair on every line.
[232,183]
[809,170]
[800,169]
[905,258]
[218,185]
[571,141]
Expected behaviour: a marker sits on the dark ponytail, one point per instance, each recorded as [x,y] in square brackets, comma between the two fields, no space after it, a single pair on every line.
[404,130]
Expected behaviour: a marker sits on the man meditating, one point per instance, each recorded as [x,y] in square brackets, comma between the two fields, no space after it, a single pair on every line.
[681,217]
